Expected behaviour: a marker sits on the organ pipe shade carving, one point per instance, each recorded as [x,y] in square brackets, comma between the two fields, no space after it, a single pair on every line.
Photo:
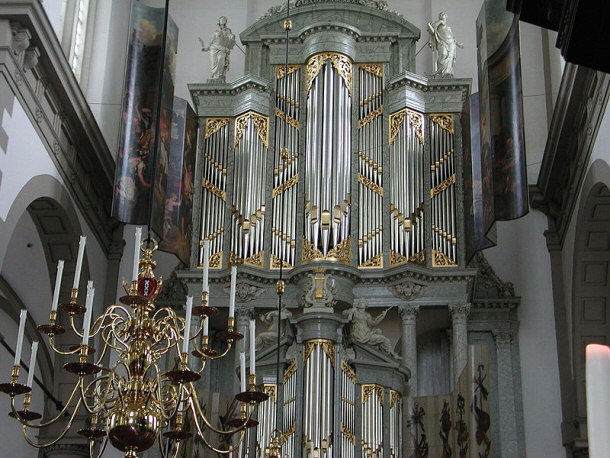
[214,186]
[266,418]
[318,396]
[328,153]
[395,422]
[372,396]
[406,187]
[249,173]
[370,184]
[442,192]
[286,165]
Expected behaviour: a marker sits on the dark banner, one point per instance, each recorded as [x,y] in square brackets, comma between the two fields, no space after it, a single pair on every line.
[135,167]
[501,110]
[180,182]
[478,188]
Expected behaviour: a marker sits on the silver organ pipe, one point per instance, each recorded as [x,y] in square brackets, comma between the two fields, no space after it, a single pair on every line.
[285,172]
[407,187]
[372,420]
[442,191]
[327,156]
[213,182]
[248,207]
[266,418]
[289,409]
[395,424]
[370,185]
[348,407]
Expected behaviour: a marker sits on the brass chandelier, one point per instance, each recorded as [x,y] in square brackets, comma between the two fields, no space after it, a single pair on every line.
[133,403]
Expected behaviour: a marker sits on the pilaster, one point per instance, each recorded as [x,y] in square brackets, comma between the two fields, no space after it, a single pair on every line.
[506,394]
[459,319]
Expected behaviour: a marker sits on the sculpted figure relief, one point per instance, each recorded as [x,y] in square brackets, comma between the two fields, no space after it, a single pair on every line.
[274,321]
[220,48]
[363,327]
[445,44]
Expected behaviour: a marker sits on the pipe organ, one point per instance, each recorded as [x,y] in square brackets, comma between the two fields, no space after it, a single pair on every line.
[343,168]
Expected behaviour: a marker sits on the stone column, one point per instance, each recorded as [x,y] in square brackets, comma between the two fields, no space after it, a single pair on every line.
[506,394]
[459,319]
[408,313]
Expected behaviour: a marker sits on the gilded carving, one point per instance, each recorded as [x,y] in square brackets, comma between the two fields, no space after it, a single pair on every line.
[261,124]
[376,262]
[327,346]
[442,186]
[445,121]
[285,185]
[370,184]
[255,260]
[342,64]
[375,69]
[369,117]
[395,397]
[341,251]
[213,189]
[289,120]
[348,434]
[282,70]
[216,260]
[292,369]
[310,252]
[271,390]
[440,259]
[213,125]
[397,258]
[276,262]
[368,389]
[418,258]
[347,370]
[416,121]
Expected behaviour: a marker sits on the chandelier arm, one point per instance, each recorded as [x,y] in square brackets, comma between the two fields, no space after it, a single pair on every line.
[111,313]
[102,449]
[73,325]
[112,328]
[175,448]
[194,401]
[202,363]
[51,421]
[54,441]
[242,435]
[218,356]
[83,397]
[61,352]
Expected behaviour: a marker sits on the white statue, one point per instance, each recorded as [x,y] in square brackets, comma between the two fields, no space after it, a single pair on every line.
[274,321]
[363,327]
[220,48]
[444,43]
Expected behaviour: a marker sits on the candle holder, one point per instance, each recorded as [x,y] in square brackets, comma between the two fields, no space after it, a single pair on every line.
[252,396]
[72,308]
[230,335]
[82,367]
[132,297]
[14,388]
[204,309]
[204,351]
[183,374]
[178,433]
[93,432]
[51,328]
[26,414]
[243,420]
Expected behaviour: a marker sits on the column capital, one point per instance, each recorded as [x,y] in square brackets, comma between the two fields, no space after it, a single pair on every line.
[503,338]
[244,313]
[408,312]
[459,310]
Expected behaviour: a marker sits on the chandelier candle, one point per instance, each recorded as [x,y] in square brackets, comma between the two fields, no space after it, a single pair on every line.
[206,326]
[206,266]
[136,254]
[79,261]
[32,364]
[60,272]
[233,291]
[88,311]
[187,324]
[252,348]
[242,371]
[22,317]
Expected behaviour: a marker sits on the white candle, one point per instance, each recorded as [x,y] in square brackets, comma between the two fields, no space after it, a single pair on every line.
[187,324]
[79,261]
[32,364]
[22,317]
[233,291]
[252,352]
[60,272]
[206,266]
[242,371]
[88,312]
[136,254]
[206,326]
[598,399]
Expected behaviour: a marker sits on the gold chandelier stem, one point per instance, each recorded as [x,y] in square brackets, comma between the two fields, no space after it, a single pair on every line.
[242,434]
[175,448]
[73,326]
[197,413]
[102,449]
[58,351]
[54,441]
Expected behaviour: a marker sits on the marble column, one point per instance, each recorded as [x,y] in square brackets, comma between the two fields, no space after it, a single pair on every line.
[506,394]
[408,313]
[459,320]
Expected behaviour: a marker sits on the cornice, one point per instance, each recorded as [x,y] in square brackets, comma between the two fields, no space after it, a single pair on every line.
[35,67]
